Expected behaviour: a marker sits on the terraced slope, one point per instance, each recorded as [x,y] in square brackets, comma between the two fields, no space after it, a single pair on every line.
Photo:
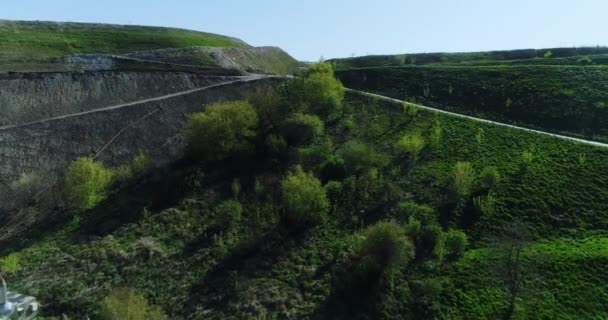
[572,100]
[25,40]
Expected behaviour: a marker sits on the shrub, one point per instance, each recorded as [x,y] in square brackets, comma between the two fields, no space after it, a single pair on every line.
[129,304]
[87,182]
[139,164]
[229,212]
[382,248]
[269,106]
[410,109]
[486,204]
[26,185]
[463,178]
[421,212]
[304,198]
[489,177]
[333,168]
[411,144]
[333,190]
[426,237]
[317,91]
[436,133]
[10,263]
[301,129]
[221,130]
[455,243]
[276,145]
[358,156]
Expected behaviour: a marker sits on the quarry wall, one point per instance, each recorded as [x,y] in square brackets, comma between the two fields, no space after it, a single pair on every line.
[27,97]
[45,149]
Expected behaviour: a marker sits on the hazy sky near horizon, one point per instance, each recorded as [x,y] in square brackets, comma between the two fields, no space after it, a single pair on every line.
[310,29]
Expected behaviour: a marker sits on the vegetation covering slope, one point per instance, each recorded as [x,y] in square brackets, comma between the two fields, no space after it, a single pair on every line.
[551,56]
[369,210]
[568,99]
[21,40]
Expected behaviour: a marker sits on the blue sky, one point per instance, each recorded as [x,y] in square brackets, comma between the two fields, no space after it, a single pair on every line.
[339,28]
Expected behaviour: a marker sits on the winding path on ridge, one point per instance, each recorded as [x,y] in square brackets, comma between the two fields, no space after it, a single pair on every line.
[255,77]
[594,143]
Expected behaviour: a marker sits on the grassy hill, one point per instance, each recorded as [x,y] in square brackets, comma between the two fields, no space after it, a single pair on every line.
[550,56]
[177,235]
[21,40]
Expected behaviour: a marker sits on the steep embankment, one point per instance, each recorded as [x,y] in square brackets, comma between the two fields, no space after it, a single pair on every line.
[44,149]
[27,97]
[570,100]
[33,40]
[254,60]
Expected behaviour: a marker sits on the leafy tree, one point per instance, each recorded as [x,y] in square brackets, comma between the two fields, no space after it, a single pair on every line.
[333,168]
[358,156]
[421,212]
[302,129]
[221,130]
[382,248]
[304,198]
[425,236]
[455,243]
[269,105]
[316,91]
[229,212]
[463,177]
[87,182]
[129,304]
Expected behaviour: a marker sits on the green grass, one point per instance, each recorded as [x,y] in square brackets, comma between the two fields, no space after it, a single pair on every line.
[164,236]
[39,40]
[570,100]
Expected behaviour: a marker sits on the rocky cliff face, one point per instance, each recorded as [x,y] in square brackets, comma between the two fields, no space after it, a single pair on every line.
[27,97]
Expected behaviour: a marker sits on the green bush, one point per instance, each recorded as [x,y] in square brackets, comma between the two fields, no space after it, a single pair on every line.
[333,168]
[436,134]
[302,129]
[463,178]
[276,145]
[86,183]
[316,91]
[425,237]
[489,177]
[411,144]
[421,212]
[10,263]
[139,164]
[358,156]
[269,105]
[129,304]
[382,248]
[223,129]
[333,189]
[455,243]
[229,212]
[304,199]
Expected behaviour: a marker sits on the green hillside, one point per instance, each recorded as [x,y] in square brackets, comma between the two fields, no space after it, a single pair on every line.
[549,56]
[370,226]
[20,40]
[571,100]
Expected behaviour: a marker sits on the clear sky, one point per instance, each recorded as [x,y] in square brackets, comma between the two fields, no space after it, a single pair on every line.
[310,29]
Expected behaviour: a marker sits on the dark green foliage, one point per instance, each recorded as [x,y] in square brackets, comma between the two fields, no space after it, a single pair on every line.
[455,243]
[276,145]
[302,129]
[334,168]
[381,249]
[304,199]
[489,177]
[358,156]
[86,183]
[423,213]
[425,236]
[229,212]
[223,129]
